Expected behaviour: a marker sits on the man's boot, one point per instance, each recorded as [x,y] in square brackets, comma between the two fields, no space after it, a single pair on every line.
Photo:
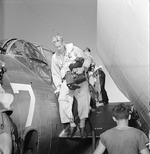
[83,133]
[73,129]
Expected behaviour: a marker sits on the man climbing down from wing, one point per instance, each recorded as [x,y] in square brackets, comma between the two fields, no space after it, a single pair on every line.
[68,65]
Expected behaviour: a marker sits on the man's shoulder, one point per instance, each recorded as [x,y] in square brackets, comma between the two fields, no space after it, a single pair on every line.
[71,46]
[54,56]
[109,131]
[77,48]
[71,49]
[137,131]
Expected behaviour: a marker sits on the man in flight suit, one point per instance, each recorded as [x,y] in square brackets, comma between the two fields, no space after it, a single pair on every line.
[65,55]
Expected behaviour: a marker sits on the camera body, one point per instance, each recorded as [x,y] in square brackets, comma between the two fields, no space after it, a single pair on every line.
[73,80]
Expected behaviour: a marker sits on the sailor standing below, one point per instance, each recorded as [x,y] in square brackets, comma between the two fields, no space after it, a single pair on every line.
[5,125]
[65,55]
[122,139]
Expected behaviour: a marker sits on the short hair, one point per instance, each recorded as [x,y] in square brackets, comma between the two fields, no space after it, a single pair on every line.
[87,49]
[57,38]
[121,111]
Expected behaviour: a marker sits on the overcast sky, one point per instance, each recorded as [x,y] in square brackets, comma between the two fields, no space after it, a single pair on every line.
[38,20]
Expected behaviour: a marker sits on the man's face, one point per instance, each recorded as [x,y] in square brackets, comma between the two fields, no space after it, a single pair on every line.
[87,52]
[59,45]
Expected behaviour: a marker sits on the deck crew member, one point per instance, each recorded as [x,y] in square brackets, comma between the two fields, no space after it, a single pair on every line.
[122,139]
[65,55]
[6,142]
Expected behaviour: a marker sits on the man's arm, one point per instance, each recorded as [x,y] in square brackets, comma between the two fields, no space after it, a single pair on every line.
[145,151]
[5,143]
[56,75]
[143,140]
[100,148]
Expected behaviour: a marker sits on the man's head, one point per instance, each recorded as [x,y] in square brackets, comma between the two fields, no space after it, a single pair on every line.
[121,111]
[59,43]
[87,51]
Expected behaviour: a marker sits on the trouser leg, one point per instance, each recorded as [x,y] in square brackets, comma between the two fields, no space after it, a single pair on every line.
[83,98]
[83,132]
[82,123]
[103,91]
[65,110]
[65,104]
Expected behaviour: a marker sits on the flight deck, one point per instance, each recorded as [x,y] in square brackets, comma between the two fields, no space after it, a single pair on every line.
[99,121]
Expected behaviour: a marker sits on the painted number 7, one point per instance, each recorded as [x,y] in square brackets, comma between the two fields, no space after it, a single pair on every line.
[26,87]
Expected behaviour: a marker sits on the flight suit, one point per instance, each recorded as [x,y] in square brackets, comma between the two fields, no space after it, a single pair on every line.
[59,69]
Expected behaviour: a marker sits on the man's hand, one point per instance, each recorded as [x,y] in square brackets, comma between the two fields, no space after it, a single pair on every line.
[2,63]
[56,92]
[79,70]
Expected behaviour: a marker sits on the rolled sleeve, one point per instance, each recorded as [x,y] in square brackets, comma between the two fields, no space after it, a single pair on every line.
[143,140]
[102,138]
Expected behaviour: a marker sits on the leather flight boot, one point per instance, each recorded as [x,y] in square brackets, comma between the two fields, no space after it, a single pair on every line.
[83,133]
[72,131]
[66,129]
